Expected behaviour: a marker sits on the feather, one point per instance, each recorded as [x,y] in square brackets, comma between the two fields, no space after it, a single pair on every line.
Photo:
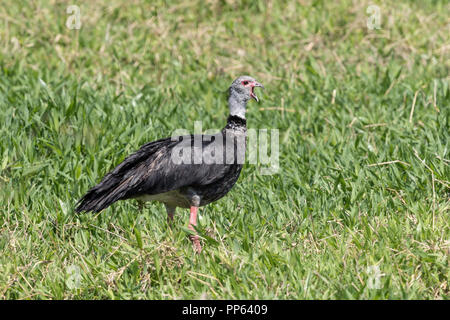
[151,170]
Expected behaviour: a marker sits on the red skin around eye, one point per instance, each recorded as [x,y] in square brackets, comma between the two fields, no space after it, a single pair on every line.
[248,83]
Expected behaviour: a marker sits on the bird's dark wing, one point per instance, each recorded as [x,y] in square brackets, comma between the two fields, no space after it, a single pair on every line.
[152,170]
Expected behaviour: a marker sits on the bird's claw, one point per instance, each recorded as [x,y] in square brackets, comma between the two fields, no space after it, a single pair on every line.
[196,243]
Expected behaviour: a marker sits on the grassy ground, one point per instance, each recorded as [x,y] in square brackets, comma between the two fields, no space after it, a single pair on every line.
[359,208]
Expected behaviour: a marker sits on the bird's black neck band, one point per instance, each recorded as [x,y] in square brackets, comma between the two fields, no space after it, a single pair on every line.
[235,121]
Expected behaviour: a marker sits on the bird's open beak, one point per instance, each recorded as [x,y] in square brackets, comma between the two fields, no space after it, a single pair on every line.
[253,95]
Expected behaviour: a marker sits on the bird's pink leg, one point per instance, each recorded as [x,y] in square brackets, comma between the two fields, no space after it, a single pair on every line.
[193,222]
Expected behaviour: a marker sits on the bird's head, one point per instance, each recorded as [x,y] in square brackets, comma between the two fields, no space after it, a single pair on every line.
[242,89]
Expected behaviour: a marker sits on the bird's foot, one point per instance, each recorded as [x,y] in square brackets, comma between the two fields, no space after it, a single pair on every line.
[196,243]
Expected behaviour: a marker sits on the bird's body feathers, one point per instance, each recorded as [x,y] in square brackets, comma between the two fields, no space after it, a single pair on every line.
[150,174]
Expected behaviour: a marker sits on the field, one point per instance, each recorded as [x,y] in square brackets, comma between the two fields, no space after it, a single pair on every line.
[359,208]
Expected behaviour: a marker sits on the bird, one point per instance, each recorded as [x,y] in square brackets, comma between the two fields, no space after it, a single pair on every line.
[186,171]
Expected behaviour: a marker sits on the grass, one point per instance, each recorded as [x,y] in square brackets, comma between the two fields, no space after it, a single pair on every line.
[363,186]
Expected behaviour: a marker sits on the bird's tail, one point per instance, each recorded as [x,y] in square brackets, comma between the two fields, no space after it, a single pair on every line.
[123,180]
[104,194]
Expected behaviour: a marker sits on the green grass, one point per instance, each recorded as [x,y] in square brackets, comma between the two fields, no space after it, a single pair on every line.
[346,100]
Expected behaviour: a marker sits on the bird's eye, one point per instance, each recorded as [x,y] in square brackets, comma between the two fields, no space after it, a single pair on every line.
[245,83]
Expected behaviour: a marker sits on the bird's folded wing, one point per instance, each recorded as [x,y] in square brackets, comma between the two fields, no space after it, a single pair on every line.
[152,170]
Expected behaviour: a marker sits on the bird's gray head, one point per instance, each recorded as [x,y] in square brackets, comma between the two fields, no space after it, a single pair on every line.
[240,92]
